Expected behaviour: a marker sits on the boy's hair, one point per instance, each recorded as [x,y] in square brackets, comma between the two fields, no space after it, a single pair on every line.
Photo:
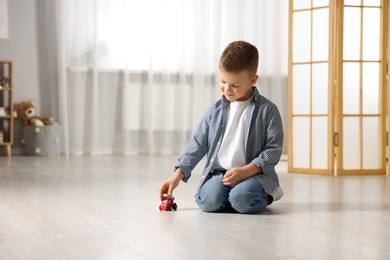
[239,56]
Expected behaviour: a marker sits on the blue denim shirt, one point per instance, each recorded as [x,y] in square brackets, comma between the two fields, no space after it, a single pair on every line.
[264,143]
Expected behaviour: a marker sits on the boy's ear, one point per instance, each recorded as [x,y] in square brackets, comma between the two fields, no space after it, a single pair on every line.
[254,79]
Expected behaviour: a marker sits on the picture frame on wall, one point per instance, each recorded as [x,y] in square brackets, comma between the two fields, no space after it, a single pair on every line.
[3,19]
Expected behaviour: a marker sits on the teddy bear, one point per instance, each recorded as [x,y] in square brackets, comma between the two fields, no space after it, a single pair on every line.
[27,112]
[3,81]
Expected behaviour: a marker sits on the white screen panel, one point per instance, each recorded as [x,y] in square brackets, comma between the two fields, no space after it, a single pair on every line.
[351,143]
[371,145]
[352,2]
[319,3]
[320,143]
[372,2]
[301,89]
[301,36]
[370,88]
[301,142]
[302,4]
[371,33]
[321,34]
[351,38]
[320,88]
[351,88]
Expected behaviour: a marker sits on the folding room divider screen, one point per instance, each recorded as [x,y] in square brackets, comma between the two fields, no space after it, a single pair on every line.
[337,86]
[388,85]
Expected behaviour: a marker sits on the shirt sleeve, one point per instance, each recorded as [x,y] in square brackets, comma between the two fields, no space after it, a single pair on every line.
[196,148]
[273,144]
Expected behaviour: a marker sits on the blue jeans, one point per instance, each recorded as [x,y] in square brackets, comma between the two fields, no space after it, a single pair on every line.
[247,196]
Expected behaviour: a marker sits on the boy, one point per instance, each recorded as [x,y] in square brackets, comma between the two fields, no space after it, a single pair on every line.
[242,135]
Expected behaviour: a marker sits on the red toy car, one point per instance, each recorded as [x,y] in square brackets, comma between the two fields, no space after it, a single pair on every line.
[168,203]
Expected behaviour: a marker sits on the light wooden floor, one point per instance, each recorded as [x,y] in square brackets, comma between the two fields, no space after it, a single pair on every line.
[106,207]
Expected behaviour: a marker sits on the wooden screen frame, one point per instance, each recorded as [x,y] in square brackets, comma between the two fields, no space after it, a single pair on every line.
[330,163]
[386,10]
[339,104]
[335,94]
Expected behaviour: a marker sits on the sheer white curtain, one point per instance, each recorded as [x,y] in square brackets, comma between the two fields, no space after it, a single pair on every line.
[135,76]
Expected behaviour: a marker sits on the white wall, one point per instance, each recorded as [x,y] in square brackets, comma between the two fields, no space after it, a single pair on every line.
[21,48]
[34,70]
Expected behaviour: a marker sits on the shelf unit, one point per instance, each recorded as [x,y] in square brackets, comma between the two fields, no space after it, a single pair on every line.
[6,106]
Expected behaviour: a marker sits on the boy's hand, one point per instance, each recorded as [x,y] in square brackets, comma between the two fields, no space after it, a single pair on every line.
[170,184]
[234,176]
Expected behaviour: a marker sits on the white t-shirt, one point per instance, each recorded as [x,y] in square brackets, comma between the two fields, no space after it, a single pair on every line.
[232,151]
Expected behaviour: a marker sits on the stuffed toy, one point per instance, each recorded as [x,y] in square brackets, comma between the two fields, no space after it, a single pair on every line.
[3,81]
[27,112]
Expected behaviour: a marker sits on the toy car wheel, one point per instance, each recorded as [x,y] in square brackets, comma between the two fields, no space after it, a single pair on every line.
[175,206]
[159,207]
[170,208]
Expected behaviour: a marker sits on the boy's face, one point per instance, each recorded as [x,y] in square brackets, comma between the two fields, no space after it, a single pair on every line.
[236,86]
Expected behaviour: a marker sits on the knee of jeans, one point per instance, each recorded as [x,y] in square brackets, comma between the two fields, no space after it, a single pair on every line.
[209,203]
[247,202]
